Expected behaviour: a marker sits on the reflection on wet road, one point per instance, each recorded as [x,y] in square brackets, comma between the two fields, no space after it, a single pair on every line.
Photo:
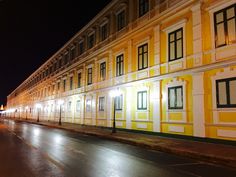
[32,150]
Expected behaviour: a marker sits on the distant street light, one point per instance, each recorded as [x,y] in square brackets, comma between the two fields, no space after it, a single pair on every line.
[60,103]
[114,94]
[38,107]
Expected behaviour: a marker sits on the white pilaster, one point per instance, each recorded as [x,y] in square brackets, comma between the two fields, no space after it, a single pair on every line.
[157,44]
[128,107]
[197,33]
[198,105]
[156,100]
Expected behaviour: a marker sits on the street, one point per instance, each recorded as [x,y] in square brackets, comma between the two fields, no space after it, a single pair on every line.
[29,150]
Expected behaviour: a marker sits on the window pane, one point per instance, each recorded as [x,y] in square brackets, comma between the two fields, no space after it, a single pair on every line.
[144,99]
[231,30]
[172,37]
[139,100]
[232,88]
[140,64]
[179,49]
[219,17]
[230,13]
[172,51]
[172,98]
[145,62]
[222,93]
[220,34]
[78,106]
[179,98]
[179,34]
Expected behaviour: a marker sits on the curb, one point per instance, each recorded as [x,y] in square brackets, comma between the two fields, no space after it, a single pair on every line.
[191,154]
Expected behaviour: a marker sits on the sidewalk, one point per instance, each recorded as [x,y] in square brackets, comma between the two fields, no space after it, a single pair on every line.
[211,152]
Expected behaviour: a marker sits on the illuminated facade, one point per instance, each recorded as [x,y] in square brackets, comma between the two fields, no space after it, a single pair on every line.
[174,62]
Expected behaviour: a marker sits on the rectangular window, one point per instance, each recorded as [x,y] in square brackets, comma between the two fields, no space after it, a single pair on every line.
[120,65]
[78,106]
[103,71]
[104,32]
[226,93]
[71,82]
[143,56]
[142,100]
[175,45]
[64,85]
[120,20]
[90,81]
[91,41]
[143,7]
[225,26]
[81,47]
[66,58]
[88,105]
[101,103]
[69,106]
[58,86]
[175,97]
[119,102]
[79,80]
[72,54]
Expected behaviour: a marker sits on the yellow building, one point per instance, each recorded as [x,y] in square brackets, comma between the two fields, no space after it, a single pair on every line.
[173,63]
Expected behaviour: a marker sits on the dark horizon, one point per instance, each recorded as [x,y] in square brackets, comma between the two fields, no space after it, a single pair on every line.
[31,32]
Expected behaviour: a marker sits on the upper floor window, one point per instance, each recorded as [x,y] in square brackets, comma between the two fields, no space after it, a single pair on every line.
[120,65]
[101,103]
[66,58]
[79,80]
[142,100]
[104,31]
[103,71]
[72,53]
[58,86]
[143,7]
[175,97]
[91,40]
[120,20]
[143,56]
[71,82]
[225,93]
[175,44]
[64,85]
[81,47]
[225,26]
[90,81]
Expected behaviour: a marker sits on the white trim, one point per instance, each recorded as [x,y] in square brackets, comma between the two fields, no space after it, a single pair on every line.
[226,133]
[89,66]
[227,73]
[102,61]
[175,83]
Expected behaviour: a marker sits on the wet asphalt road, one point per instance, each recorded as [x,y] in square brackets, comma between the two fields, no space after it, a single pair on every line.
[30,150]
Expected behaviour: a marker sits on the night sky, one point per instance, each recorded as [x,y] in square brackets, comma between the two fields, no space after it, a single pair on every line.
[31,31]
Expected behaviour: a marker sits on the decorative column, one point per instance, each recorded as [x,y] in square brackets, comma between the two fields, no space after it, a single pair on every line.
[198,105]
[197,33]
[156,100]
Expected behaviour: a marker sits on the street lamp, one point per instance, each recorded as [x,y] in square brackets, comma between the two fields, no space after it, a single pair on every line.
[26,111]
[114,94]
[38,107]
[60,103]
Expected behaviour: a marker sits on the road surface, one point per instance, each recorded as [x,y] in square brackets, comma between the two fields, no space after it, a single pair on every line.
[28,150]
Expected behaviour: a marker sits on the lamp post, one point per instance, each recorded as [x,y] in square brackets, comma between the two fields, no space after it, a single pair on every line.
[60,103]
[38,107]
[114,94]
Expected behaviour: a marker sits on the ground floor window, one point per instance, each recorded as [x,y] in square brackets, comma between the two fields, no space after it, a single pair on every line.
[119,102]
[142,100]
[78,106]
[226,93]
[101,103]
[175,97]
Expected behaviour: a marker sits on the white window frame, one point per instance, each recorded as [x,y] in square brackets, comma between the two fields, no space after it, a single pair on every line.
[176,83]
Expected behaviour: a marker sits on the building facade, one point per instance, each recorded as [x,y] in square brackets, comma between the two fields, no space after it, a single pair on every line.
[173,63]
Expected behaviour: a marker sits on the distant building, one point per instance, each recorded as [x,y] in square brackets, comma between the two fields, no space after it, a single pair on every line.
[174,62]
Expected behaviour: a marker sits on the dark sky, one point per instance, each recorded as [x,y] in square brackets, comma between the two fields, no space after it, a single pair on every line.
[33,30]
